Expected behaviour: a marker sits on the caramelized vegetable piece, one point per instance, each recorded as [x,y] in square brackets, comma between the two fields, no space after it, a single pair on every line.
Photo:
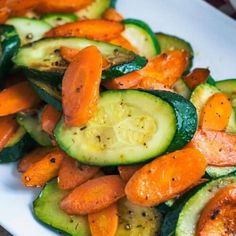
[112,15]
[216,112]
[123,42]
[126,172]
[104,222]
[49,118]
[40,172]
[218,218]
[196,77]
[94,195]
[102,30]
[80,86]
[218,148]
[33,157]
[4,14]
[48,6]
[17,98]
[72,173]
[8,126]
[165,177]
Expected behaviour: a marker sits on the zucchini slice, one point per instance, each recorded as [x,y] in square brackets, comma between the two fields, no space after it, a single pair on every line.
[29,30]
[141,36]
[47,210]
[20,144]
[129,126]
[48,93]
[42,59]
[95,10]
[9,44]
[31,123]
[218,171]
[199,97]
[136,220]
[56,19]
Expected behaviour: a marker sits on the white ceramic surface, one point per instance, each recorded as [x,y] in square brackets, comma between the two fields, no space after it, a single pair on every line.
[213,37]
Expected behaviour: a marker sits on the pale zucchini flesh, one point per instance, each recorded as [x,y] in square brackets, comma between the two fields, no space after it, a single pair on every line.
[219,171]
[128,127]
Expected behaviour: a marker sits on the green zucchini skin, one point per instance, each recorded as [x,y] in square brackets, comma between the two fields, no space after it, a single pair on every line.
[219,171]
[113,3]
[186,117]
[51,66]
[9,44]
[18,150]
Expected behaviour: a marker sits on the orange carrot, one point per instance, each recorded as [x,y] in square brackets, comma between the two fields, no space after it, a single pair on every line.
[94,195]
[219,215]
[93,29]
[165,177]
[104,222]
[123,42]
[40,172]
[49,118]
[69,54]
[80,86]
[32,157]
[112,15]
[17,98]
[196,77]
[4,14]
[216,113]
[126,172]
[72,173]
[8,127]
[48,6]
[218,148]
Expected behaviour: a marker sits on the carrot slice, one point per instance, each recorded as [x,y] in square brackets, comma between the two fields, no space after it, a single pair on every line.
[49,118]
[123,42]
[218,148]
[216,112]
[36,155]
[80,86]
[48,6]
[126,172]
[69,54]
[72,173]
[112,15]
[40,172]
[17,98]
[104,222]
[8,127]
[196,77]
[219,215]
[94,195]
[165,177]
[4,14]
[93,29]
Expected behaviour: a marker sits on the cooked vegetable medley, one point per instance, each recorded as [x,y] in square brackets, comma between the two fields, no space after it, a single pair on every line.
[111,120]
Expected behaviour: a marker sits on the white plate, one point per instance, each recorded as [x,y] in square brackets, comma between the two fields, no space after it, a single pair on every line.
[213,37]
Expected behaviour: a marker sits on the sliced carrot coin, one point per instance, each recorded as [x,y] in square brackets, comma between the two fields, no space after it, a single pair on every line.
[126,172]
[123,42]
[112,15]
[4,14]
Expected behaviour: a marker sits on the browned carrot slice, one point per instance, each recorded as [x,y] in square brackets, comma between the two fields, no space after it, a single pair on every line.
[48,6]
[17,98]
[165,177]
[123,42]
[219,216]
[104,222]
[72,173]
[33,157]
[94,195]
[218,148]
[4,14]
[196,77]
[49,118]
[80,86]
[126,172]
[216,112]
[40,172]
[112,15]
[8,127]
[93,29]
